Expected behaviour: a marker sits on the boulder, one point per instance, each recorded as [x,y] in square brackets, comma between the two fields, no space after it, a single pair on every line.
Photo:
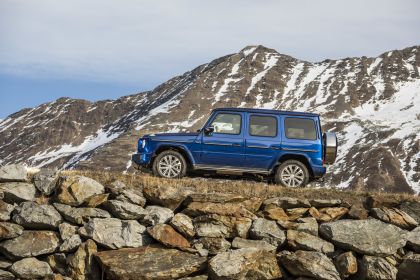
[67,230]
[249,263]
[331,213]
[6,275]
[377,268]
[166,235]
[371,236]
[17,192]
[113,233]
[149,262]
[309,264]
[5,211]
[412,208]
[4,263]
[322,203]
[31,215]
[81,215]
[57,262]
[276,214]
[377,201]
[266,230]
[409,269]
[183,224]
[413,240]
[199,277]
[346,264]
[358,213]
[394,216]
[287,202]
[214,245]
[74,190]
[216,197]
[298,240]
[134,196]
[165,195]
[308,225]
[195,209]
[31,268]
[30,244]
[296,213]
[46,181]
[9,230]
[125,210]
[115,188]
[221,226]
[13,173]
[241,243]
[70,244]
[96,200]
[81,265]
[157,215]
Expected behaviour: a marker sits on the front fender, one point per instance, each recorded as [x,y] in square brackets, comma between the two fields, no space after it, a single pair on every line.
[176,146]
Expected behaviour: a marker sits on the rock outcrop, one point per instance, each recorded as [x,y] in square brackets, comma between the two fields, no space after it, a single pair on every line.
[73,227]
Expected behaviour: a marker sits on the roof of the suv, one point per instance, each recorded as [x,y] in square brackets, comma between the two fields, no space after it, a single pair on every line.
[267,111]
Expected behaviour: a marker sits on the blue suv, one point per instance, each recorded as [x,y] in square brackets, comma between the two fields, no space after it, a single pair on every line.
[288,146]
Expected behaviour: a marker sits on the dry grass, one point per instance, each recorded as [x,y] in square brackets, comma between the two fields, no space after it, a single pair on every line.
[240,187]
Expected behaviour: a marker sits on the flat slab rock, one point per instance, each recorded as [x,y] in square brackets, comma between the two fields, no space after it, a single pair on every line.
[113,233]
[249,263]
[370,237]
[30,244]
[309,264]
[17,192]
[149,262]
[13,173]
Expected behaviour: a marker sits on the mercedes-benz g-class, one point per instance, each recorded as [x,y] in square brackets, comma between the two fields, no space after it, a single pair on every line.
[289,146]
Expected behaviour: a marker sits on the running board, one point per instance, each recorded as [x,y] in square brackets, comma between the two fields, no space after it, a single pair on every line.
[231,169]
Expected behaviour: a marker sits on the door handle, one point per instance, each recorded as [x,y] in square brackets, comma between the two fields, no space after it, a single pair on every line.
[236,144]
[276,148]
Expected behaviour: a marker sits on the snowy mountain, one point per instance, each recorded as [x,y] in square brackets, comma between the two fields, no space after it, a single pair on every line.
[372,103]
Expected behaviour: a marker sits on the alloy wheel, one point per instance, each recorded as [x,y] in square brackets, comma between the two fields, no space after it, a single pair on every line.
[170,166]
[292,176]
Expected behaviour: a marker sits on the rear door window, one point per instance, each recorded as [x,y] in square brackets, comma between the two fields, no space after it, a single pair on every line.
[300,128]
[264,126]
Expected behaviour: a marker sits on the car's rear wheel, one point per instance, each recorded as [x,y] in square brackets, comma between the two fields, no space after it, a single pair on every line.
[170,164]
[292,174]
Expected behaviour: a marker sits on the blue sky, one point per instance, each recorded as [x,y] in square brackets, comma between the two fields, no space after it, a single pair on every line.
[105,49]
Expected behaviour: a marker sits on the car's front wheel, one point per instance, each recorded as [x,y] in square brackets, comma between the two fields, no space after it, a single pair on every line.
[292,174]
[170,164]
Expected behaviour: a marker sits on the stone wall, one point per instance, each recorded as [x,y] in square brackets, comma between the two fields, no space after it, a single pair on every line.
[72,227]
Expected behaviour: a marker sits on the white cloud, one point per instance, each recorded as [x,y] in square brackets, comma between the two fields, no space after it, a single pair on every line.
[150,41]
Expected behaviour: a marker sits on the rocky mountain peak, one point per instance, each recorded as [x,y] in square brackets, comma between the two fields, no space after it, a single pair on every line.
[371,102]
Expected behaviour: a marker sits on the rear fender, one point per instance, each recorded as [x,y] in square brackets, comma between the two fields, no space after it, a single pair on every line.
[303,157]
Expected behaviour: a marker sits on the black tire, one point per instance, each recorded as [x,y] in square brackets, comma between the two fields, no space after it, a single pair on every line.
[288,166]
[159,161]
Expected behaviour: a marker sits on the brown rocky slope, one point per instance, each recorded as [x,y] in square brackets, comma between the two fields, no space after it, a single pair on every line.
[371,102]
[69,226]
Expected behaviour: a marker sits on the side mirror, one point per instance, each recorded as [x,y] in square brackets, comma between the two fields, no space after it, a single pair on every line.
[209,130]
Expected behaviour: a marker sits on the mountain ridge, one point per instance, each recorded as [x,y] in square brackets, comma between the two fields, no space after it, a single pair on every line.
[355,96]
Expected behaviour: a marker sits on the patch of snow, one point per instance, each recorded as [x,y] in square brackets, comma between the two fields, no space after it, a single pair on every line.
[249,51]
[374,64]
[223,89]
[270,62]
[89,144]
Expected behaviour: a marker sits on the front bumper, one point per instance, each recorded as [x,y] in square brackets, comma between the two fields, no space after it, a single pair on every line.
[141,161]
